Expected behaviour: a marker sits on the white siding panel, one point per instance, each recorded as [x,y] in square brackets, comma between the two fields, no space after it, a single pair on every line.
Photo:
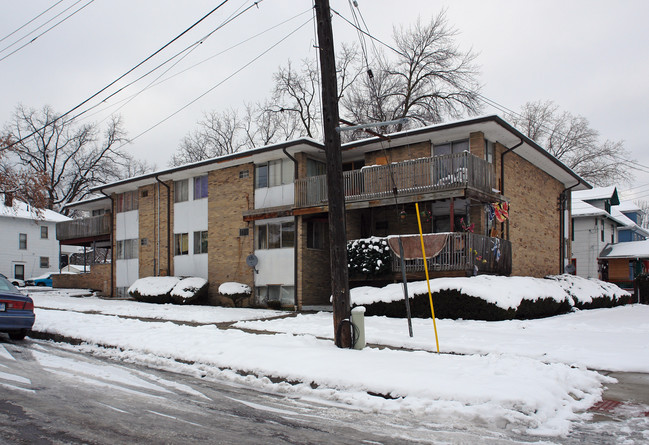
[276,266]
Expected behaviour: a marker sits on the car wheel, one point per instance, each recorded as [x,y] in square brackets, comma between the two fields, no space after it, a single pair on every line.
[18,335]
[40,284]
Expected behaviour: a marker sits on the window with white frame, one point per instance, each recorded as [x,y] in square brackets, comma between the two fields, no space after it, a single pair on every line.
[44,232]
[277,235]
[200,187]
[127,249]
[181,244]
[285,295]
[22,241]
[200,242]
[181,190]
[274,173]
[489,151]
[45,262]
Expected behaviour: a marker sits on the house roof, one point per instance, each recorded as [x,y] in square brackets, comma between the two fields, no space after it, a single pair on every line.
[598,193]
[94,203]
[25,211]
[495,129]
[629,207]
[629,224]
[582,209]
[632,249]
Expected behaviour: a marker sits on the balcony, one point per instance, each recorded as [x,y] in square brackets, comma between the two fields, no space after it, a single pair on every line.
[461,251]
[434,176]
[80,231]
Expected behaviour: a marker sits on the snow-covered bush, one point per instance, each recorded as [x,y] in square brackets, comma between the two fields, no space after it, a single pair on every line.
[591,293]
[168,289]
[189,290]
[368,256]
[236,292]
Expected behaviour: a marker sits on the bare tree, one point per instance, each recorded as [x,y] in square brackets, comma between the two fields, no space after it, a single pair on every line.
[571,139]
[72,158]
[429,80]
[19,183]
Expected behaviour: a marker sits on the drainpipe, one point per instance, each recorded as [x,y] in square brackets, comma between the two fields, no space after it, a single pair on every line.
[563,198]
[168,225]
[295,222]
[112,254]
[502,178]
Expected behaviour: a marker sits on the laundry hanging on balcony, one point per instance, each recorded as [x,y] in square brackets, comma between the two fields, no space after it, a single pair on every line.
[498,210]
[434,243]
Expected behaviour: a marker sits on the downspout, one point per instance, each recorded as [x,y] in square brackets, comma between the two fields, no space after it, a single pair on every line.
[502,179]
[168,225]
[563,198]
[295,222]
[112,251]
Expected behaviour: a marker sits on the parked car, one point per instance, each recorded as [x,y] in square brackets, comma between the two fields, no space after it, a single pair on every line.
[16,311]
[43,280]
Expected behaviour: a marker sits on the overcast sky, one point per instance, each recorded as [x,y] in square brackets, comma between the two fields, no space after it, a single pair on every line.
[590,57]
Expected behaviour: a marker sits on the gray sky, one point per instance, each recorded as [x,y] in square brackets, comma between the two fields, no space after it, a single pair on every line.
[590,57]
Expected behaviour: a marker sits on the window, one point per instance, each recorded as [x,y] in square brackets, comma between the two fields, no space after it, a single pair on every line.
[98,212]
[127,249]
[127,201]
[274,173]
[181,244]
[315,168]
[451,148]
[22,241]
[45,262]
[44,232]
[200,242]
[285,295]
[243,232]
[200,187]
[489,151]
[19,271]
[244,174]
[181,190]
[276,235]
[602,231]
[145,193]
[315,235]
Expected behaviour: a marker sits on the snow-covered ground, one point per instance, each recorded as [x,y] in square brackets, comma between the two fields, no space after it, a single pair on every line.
[521,375]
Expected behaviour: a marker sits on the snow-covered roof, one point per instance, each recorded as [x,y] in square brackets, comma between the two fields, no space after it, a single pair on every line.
[628,207]
[581,208]
[597,193]
[628,222]
[631,249]
[25,211]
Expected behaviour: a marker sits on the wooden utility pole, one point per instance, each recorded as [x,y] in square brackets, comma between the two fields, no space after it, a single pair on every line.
[337,235]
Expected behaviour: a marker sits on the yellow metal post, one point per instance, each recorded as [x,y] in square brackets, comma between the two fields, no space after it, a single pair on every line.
[430,296]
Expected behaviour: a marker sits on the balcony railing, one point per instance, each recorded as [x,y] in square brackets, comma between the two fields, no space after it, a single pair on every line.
[410,177]
[94,226]
[465,252]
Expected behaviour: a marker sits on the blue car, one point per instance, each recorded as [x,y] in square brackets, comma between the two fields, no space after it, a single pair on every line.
[16,311]
[43,280]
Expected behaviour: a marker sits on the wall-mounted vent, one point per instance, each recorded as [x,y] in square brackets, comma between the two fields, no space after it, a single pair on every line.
[244,232]
[243,174]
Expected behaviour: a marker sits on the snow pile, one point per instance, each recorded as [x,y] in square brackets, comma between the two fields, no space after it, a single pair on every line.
[233,288]
[153,286]
[504,292]
[583,290]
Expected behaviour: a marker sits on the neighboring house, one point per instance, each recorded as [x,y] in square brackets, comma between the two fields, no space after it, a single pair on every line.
[623,262]
[28,240]
[633,217]
[259,217]
[593,228]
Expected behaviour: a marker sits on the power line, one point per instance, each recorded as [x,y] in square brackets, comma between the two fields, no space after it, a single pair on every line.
[122,76]
[21,27]
[44,32]
[219,83]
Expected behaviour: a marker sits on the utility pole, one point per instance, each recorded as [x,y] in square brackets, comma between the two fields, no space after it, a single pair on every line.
[335,192]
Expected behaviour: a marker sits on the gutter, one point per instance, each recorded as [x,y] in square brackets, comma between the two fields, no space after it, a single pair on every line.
[502,181]
[112,230]
[168,225]
[295,222]
[563,198]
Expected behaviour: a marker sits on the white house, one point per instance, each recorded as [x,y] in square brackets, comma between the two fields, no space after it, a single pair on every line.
[28,240]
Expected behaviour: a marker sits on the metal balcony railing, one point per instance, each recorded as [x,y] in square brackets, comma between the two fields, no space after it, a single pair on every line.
[415,176]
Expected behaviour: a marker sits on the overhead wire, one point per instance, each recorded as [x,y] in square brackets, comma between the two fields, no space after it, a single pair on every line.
[186,51]
[219,83]
[58,118]
[157,81]
[30,21]
[44,32]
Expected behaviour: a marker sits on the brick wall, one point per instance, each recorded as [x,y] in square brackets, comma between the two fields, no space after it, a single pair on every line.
[399,154]
[97,279]
[313,278]
[534,228]
[229,196]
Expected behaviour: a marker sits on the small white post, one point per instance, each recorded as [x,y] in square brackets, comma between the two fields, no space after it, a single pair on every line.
[358,320]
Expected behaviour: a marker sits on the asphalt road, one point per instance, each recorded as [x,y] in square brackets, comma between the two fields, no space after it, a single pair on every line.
[56,394]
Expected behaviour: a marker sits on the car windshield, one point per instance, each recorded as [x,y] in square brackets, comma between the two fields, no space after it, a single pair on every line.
[7,286]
